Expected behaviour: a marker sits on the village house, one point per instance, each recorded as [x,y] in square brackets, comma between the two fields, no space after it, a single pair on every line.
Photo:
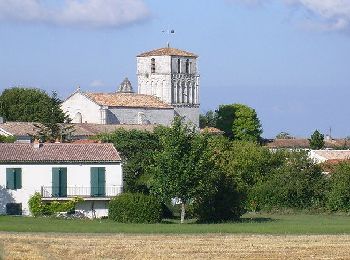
[59,172]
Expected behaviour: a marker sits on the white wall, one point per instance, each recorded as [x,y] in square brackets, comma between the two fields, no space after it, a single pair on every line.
[90,111]
[35,176]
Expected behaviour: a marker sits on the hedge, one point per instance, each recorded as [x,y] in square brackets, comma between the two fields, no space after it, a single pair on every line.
[135,208]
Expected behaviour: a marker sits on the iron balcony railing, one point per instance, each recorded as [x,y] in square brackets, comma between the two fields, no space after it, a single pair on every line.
[85,192]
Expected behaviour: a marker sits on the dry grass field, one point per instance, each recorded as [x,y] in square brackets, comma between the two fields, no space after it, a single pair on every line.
[93,246]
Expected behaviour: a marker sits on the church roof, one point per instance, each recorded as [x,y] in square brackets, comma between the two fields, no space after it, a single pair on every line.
[168,52]
[125,87]
[127,100]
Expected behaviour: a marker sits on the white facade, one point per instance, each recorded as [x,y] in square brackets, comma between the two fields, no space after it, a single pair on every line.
[38,178]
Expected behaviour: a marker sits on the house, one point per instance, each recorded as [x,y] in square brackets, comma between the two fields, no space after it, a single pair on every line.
[168,86]
[304,144]
[60,172]
[321,156]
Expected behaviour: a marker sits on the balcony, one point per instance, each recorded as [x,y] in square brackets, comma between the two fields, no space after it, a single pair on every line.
[87,193]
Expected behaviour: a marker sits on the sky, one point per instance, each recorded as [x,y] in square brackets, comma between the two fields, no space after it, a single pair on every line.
[288,59]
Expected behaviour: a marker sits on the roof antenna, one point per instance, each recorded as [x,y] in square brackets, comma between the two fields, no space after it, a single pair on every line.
[169,33]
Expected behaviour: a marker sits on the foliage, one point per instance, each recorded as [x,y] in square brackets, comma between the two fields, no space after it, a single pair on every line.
[317,140]
[208,119]
[7,139]
[297,183]
[183,168]
[38,208]
[30,105]
[338,197]
[239,122]
[136,149]
[135,208]
[284,135]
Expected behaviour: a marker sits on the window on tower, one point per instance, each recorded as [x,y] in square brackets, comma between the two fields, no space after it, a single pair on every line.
[178,66]
[187,66]
[153,65]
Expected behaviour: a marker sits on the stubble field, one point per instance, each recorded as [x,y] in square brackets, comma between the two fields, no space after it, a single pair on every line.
[128,246]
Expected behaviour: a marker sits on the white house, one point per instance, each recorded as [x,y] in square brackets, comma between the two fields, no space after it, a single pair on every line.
[59,171]
[320,156]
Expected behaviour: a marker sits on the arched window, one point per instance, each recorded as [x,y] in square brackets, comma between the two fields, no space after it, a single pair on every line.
[178,66]
[78,118]
[187,66]
[153,65]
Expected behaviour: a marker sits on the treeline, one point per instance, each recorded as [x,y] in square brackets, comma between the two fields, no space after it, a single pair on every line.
[218,179]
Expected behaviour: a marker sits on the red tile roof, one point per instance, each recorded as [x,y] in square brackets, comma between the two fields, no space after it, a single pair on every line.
[58,153]
[127,100]
[168,52]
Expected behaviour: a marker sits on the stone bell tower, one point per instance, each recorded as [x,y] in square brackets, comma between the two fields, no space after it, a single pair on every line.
[171,75]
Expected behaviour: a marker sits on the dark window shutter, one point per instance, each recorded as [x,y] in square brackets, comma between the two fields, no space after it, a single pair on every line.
[63,182]
[94,181]
[101,181]
[18,178]
[10,179]
[55,182]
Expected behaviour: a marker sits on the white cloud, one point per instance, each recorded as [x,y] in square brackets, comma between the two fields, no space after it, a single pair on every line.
[82,13]
[97,83]
[330,15]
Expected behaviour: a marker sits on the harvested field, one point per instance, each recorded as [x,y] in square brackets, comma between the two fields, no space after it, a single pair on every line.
[83,246]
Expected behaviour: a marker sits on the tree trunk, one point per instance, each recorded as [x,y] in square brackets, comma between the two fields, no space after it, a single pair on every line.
[183,212]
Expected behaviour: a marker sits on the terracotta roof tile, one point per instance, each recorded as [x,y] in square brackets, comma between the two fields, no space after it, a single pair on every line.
[333,154]
[127,100]
[304,143]
[212,130]
[58,153]
[168,52]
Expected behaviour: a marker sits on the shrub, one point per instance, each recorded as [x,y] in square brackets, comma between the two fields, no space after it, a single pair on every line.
[338,197]
[135,208]
[38,208]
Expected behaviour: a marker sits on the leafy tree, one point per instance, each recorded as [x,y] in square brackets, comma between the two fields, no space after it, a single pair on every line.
[30,105]
[284,135]
[208,119]
[7,139]
[239,122]
[182,168]
[317,140]
[136,149]
[246,125]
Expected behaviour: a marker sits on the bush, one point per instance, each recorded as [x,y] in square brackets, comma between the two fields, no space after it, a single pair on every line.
[38,208]
[298,184]
[338,197]
[135,208]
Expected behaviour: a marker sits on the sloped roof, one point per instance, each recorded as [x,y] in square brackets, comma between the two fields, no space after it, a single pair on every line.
[304,143]
[212,130]
[127,100]
[168,52]
[19,128]
[334,155]
[57,153]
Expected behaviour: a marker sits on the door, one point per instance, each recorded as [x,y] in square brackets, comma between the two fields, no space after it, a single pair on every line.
[98,181]
[59,182]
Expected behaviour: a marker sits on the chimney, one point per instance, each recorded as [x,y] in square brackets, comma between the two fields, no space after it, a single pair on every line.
[37,144]
[2,120]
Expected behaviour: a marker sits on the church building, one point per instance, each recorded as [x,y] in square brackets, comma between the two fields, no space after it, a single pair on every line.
[168,86]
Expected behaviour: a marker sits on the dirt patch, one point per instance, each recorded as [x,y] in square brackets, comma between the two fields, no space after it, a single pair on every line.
[72,246]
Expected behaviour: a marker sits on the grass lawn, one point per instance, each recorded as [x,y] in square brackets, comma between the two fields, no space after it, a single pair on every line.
[250,224]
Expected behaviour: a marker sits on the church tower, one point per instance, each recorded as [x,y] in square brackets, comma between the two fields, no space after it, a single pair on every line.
[171,75]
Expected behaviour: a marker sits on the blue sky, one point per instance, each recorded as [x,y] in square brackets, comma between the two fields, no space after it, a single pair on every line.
[288,59]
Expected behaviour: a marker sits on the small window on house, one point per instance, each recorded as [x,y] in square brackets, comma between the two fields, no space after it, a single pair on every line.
[187,66]
[14,208]
[153,65]
[13,178]
[178,66]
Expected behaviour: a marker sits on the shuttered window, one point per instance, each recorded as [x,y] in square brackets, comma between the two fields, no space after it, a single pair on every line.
[98,181]
[59,182]
[13,178]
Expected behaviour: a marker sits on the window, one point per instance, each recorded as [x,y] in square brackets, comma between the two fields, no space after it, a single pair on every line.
[187,66]
[178,66]
[98,181]
[59,182]
[153,65]
[13,178]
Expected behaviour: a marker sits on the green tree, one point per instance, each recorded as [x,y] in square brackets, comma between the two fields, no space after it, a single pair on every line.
[136,149]
[182,168]
[239,122]
[246,125]
[7,139]
[317,140]
[30,105]
[284,135]
[208,119]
